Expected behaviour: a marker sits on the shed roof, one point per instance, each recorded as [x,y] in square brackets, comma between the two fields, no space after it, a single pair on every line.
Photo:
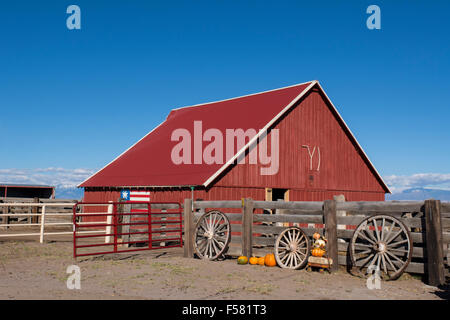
[19,185]
[148,162]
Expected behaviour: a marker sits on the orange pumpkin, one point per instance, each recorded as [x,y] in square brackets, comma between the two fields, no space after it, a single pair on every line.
[253,260]
[316,236]
[317,252]
[269,260]
[261,261]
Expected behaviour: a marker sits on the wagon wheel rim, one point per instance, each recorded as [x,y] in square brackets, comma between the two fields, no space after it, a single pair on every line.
[382,243]
[212,235]
[291,248]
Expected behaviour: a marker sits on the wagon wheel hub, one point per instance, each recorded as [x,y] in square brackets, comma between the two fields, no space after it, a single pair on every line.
[380,247]
[293,247]
[209,234]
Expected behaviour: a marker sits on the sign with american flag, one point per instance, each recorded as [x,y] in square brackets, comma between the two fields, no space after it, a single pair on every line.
[139,196]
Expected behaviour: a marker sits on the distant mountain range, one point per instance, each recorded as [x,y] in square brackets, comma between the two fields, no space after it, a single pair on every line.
[408,194]
[420,194]
[68,193]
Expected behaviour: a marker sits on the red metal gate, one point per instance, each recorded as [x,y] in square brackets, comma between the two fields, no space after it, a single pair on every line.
[120,231]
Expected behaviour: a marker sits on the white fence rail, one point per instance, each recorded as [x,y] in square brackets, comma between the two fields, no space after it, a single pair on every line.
[43,215]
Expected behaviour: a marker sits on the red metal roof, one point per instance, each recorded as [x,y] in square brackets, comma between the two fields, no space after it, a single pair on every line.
[149,163]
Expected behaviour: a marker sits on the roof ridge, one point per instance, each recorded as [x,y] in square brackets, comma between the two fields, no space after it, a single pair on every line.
[239,97]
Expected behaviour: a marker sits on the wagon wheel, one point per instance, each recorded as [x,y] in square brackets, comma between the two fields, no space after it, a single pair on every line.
[292,248]
[381,242]
[212,235]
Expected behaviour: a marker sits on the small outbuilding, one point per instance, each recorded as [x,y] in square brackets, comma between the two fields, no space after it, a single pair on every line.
[26,191]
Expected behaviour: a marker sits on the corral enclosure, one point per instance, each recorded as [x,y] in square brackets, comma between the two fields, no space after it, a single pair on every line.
[35,217]
[255,225]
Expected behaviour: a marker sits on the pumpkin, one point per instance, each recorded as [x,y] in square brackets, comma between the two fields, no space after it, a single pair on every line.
[253,260]
[261,261]
[269,260]
[316,236]
[317,252]
[242,260]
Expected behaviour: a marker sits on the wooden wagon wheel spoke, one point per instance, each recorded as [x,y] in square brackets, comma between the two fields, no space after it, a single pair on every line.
[363,245]
[291,248]
[220,244]
[284,253]
[384,264]
[221,238]
[298,259]
[212,235]
[392,238]
[298,237]
[285,256]
[365,238]
[370,234]
[377,233]
[389,232]
[391,245]
[397,259]
[382,229]
[398,250]
[374,260]
[390,262]
[202,243]
[364,252]
[364,260]
[389,249]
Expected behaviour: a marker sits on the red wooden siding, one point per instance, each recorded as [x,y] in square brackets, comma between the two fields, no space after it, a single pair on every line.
[237,193]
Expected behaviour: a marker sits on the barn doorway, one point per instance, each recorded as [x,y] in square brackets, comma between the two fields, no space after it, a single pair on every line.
[276,194]
[279,194]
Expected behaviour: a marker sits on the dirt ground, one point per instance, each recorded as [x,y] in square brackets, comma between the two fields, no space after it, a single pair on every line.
[29,270]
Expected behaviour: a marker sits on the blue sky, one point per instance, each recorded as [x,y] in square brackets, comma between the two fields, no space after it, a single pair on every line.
[72,100]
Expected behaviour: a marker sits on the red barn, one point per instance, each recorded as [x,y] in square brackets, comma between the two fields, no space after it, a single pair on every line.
[304,152]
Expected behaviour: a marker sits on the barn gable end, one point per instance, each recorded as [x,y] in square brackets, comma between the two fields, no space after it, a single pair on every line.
[316,153]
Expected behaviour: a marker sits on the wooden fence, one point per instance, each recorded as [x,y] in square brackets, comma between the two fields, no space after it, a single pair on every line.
[254,233]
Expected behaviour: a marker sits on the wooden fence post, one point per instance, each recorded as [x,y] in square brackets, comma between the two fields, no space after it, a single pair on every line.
[329,215]
[188,229]
[35,210]
[126,218]
[109,221]
[5,217]
[433,230]
[247,227]
[41,236]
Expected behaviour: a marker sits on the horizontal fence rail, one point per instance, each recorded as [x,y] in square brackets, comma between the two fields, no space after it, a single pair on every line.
[30,214]
[253,231]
